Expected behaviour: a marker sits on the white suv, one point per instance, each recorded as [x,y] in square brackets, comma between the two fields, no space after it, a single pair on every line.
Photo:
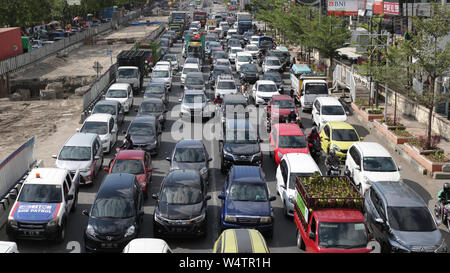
[123,93]
[263,91]
[369,162]
[243,58]
[327,109]
[104,126]
[232,53]
[162,74]
[188,67]
[225,85]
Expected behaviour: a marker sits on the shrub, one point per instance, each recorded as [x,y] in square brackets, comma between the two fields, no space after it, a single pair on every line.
[421,142]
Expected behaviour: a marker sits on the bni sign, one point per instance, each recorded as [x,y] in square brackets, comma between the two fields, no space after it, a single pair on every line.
[346,8]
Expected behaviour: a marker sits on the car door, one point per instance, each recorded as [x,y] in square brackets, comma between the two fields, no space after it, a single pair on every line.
[357,172]
[325,138]
[66,191]
[130,97]
[113,131]
[272,140]
[120,114]
[350,161]
[375,210]
[316,113]
[147,165]
[98,151]
[279,177]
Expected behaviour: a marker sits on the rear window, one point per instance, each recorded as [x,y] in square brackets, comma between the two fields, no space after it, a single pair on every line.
[412,219]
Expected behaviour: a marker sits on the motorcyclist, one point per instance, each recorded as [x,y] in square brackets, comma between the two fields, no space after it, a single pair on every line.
[314,135]
[332,160]
[443,199]
[127,143]
[218,99]
[292,117]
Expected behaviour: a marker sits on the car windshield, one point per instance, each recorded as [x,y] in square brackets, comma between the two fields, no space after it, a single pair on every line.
[249,68]
[141,129]
[235,50]
[293,176]
[274,78]
[131,166]
[410,219]
[293,142]
[40,193]
[194,81]
[190,69]
[248,192]
[267,88]
[194,98]
[116,94]
[151,107]
[213,44]
[171,58]
[266,43]
[222,70]
[284,104]
[189,155]
[127,73]
[75,153]
[333,110]
[164,42]
[234,43]
[241,136]
[191,61]
[104,109]
[226,85]
[113,207]
[160,74]
[255,39]
[342,235]
[316,89]
[181,194]
[244,59]
[95,127]
[251,48]
[345,135]
[379,164]
[155,89]
[220,55]
[273,62]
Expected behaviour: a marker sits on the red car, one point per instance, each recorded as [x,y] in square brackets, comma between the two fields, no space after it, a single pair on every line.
[280,107]
[287,138]
[137,162]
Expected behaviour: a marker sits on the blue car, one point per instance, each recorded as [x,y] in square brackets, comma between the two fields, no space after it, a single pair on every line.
[246,201]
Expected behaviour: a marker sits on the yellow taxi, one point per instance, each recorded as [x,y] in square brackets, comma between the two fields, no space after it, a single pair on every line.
[339,136]
[240,241]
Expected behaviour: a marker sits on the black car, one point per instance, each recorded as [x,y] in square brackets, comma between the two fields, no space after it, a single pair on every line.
[240,144]
[190,154]
[249,73]
[181,207]
[145,133]
[156,90]
[234,43]
[219,70]
[220,54]
[153,107]
[116,214]
[233,103]
[275,77]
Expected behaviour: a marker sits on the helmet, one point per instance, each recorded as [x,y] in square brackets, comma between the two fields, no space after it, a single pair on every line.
[314,130]
[446,187]
[218,96]
[127,136]
[292,110]
[332,152]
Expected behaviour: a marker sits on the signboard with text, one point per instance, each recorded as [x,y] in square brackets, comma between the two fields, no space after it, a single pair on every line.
[391,8]
[346,8]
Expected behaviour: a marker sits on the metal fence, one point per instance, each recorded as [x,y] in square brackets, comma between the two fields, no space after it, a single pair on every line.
[95,90]
[20,61]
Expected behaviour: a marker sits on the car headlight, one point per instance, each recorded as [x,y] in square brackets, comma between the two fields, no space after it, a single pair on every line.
[230,218]
[203,171]
[90,230]
[13,223]
[228,154]
[159,219]
[199,218]
[442,248]
[53,222]
[130,231]
[105,140]
[85,170]
[265,220]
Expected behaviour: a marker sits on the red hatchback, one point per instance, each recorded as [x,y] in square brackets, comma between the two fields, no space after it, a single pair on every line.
[280,107]
[137,162]
[287,138]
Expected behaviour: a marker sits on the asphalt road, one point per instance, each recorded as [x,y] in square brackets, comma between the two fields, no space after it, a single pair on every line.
[283,239]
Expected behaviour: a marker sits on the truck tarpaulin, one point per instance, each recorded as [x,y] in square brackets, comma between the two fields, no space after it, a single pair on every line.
[11,44]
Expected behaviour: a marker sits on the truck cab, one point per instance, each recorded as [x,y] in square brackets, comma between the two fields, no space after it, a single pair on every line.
[129,74]
[43,205]
[307,86]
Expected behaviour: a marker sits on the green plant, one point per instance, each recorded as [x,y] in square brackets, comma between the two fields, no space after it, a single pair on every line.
[401,132]
[437,156]
[362,102]
[374,110]
[421,142]
[390,122]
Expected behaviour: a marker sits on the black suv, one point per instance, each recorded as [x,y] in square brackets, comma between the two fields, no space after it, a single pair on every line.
[249,73]
[240,144]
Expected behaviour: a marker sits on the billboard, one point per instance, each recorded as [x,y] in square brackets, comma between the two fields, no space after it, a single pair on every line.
[346,8]
[391,8]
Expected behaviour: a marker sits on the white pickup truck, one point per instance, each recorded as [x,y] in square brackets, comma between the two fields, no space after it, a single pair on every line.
[308,88]
[43,204]
[131,75]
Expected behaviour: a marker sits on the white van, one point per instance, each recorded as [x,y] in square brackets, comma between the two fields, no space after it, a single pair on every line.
[123,93]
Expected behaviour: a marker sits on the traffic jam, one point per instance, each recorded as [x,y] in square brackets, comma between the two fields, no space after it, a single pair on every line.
[221,134]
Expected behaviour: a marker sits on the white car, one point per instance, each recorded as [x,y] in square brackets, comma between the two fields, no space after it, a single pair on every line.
[195,24]
[232,31]
[252,49]
[254,40]
[327,109]
[232,53]
[225,62]
[162,74]
[370,162]
[188,67]
[147,245]
[272,64]
[291,166]
[263,91]
[243,58]
[104,126]
[191,60]
[8,247]
[164,65]
[225,84]
[129,74]
[123,93]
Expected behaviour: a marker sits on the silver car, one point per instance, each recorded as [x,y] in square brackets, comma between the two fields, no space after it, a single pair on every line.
[195,103]
[111,107]
[400,220]
[82,151]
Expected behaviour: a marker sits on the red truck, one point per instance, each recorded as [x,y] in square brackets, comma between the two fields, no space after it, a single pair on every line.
[201,16]
[328,215]
[11,44]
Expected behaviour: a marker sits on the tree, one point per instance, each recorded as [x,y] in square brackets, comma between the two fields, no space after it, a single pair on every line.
[431,59]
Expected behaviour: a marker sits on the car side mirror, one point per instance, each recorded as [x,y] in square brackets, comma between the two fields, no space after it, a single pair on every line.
[124,132]
[96,157]
[326,138]
[78,130]
[155,196]
[317,112]
[221,196]
[179,100]
[357,167]
[106,170]
[13,195]
[272,198]
[379,221]
[54,156]
[113,131]
[149,170]
[168,159]
[210,159]
[361,138]
[85,212]
[208,197]
[399,168]
[312,235]
[347,173]
[136,110]
[69,197]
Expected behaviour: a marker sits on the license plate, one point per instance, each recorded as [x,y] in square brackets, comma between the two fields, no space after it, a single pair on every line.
[178,229]
[108,245]
[31,233]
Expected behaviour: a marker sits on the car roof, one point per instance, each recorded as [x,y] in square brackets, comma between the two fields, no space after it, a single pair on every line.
[301,163]
[194,92]
[145,119]
[297,68]
[243,173]
[182,176]
[152,100]
[272,58]
[107,102]
[281,97]
[156,83]
[117,184]
[81,139]
[398,194]
[146,245]
[46,176]
[195,74]
[221,67]
[189,143]
[340,125]
[371,149]
[286,129]
[99,118]
[161,67]
[271,73]
[244,54]
[265,82]
[123,86]
[130,154]
[329,101]
[242,241]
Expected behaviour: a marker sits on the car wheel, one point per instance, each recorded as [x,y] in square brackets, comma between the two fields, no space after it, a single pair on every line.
[300,243]
[62,233]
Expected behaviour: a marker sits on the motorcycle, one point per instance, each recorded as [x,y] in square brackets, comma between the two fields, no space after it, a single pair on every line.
[334,170]
[442,213]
